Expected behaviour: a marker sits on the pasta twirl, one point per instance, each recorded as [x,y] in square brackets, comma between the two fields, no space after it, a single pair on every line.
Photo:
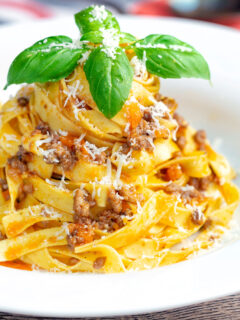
[127,184]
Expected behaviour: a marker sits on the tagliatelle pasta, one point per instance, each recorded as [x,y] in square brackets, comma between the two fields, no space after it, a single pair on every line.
[166,194]
[84,192]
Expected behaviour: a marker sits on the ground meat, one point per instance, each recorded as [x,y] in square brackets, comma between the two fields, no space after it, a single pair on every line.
[63,155]
[23,101]
[197,217]
[180,120]
[172,188]
[109,220]
[72,261]
[181,142]
[115,200]
[20,160]
[24,190]
[201,184]
[125,148]
[43,128]
[101,158]
[174,172]
[99,262]
[79,234]
[141,142]
[169,102]
[147,115]
[180,134]
[213,237]
[3,184]
[24,155]
[129,193]
[200,139]
[81,206]
[186,194]
[158,96]
[142,137]
[207,224]
[189,195]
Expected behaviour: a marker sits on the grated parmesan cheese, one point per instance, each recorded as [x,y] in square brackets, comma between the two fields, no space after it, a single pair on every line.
[62,132]
[10,137]
[72,91]
[93,150]
[98,13]
[84,57]
[59,184]
[139,66]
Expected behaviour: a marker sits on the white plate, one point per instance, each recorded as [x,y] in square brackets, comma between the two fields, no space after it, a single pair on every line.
[214,107]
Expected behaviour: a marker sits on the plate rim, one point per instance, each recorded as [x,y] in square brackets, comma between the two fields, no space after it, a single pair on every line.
[198,262]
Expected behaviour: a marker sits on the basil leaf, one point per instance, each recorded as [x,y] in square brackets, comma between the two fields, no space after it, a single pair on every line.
[96,37]
[50,59]
[94,18]
[110,79]
[126,37]
[168,57]
[93,37]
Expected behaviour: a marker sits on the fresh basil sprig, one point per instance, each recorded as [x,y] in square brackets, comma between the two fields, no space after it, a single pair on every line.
[107,67]
[50,59]
[168,57]
[110,79]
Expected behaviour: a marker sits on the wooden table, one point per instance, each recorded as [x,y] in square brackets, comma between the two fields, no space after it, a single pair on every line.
[227,308]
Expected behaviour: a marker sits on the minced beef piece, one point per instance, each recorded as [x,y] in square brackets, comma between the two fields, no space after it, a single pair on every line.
[181,142]
[115,201]
[180,134]
[141,142]
[3,184]
[142,137]
[169,102]
[201,184]
[23,101]
[200,138]
[158,96]
[147,115]
[197,217]
[172,188]
[125,148]
[189,195]
[20,160]
[81,206]
[43,128]
[72,261]
[180,120]
[109,220]
[23,190]
[64,156]
[207,224]
[99,262]
[186,194]
[129,194]
[79,234]
[101,158]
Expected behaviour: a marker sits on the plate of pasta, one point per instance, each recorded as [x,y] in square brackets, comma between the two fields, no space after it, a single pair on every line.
[116,198]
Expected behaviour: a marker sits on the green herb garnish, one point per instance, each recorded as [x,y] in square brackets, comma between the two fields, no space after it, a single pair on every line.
[107,67]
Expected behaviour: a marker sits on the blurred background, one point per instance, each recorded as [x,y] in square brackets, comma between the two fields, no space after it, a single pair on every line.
[226,12]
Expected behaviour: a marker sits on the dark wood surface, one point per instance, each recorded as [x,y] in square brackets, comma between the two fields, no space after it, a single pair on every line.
[227,308]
